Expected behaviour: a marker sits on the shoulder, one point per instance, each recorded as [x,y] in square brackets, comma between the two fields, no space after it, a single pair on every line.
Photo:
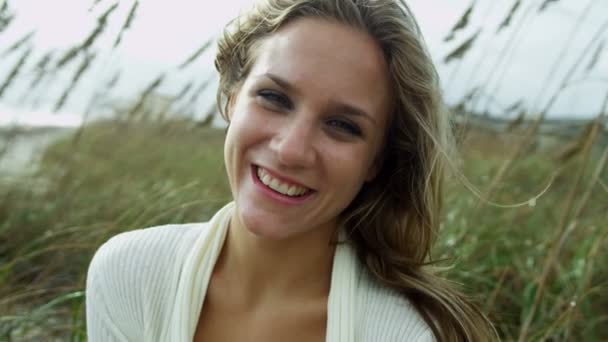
[152,239]
[132,274]
[142,249]
[387,315]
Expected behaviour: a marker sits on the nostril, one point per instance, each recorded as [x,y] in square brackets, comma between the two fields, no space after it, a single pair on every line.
[294,143]
[295,154]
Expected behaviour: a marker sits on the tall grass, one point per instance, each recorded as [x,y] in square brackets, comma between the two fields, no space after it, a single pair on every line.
[119,176]
[541,263]
[535,267]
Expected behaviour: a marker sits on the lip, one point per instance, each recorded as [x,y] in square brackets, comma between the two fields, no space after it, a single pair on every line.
[275,196]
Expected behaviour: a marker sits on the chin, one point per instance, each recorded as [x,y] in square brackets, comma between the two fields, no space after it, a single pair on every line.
[262,225]
[268,233]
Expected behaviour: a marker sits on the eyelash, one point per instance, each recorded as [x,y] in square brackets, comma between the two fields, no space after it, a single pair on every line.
[346,126]
[279,100]
[275,98]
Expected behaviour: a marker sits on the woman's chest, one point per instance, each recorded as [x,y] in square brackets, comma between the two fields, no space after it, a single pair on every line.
[265,324]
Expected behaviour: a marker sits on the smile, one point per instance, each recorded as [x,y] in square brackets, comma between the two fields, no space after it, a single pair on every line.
[280,186]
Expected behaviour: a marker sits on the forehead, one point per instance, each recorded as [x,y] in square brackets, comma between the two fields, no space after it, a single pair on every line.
[328,60]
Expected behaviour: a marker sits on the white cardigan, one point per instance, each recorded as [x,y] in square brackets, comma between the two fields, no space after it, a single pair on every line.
[135,292]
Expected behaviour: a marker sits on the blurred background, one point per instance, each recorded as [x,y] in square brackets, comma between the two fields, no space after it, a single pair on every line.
[108,123]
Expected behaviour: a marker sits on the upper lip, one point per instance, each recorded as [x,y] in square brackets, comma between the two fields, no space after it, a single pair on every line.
[283,178]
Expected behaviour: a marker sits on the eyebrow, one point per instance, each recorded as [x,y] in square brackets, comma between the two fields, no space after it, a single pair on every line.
[340,107]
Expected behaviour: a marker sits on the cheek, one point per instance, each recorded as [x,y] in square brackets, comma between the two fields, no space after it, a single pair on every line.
[244,134]
[235,142]
[349,165]
[229,151]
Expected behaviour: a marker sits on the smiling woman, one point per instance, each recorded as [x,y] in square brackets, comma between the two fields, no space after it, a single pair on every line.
[304,117]
[335,155]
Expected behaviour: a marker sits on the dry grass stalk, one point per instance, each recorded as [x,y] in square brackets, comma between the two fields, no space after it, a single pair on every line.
[595,131]
[595,248]
[566,225]
[183,91]
[505,55]
[528,138]
[566,82]
[136,109]
[462,49]
[95,3]
[518,121]
[596,56]
[603,185]
[566,48]
[595,178]
[482,56]
[542,282]
[196,54]
[18,44]
[574,147]
[507,20]
[5,17]
[40,69]
[546,4]
[86,62]
[533,129]
[195,95]
[112,82]
[86,44]
[15,71]
[127,23]
[92,102]
[489,307]
[209,115]
[558,61]
[462,23]
[515,106]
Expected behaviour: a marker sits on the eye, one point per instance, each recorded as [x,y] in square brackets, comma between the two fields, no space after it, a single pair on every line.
[275,99]
[345,126]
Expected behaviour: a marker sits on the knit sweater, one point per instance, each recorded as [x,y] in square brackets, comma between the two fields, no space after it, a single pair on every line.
[133,277]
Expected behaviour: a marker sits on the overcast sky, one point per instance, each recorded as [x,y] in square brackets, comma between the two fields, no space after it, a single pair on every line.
[165,33]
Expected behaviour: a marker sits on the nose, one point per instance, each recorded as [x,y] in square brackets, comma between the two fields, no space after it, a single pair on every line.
[293,144]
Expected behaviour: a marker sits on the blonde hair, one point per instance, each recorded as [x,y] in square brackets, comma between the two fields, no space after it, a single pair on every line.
[393,220]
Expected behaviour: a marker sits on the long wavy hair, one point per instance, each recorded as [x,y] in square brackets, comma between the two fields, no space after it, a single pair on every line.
[394,219]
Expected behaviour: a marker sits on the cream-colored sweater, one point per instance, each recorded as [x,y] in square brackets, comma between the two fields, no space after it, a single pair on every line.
[132,286]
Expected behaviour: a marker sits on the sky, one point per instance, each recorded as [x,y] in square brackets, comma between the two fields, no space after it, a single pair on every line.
[541,49]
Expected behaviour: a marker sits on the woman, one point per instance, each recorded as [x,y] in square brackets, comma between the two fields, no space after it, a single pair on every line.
[335,155]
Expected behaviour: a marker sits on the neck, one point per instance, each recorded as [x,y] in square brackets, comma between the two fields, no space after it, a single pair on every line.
[257,269]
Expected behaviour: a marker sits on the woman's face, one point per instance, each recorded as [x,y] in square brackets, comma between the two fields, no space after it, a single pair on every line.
[306,127]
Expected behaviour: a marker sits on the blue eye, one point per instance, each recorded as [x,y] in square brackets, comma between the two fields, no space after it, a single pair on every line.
[345,126]
[275,99]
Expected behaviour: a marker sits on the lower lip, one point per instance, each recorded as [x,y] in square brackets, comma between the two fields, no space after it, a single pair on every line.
[282,199]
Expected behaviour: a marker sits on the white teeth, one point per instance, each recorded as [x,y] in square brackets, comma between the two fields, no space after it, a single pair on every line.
[284,188]
[277,185]
[274,184]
